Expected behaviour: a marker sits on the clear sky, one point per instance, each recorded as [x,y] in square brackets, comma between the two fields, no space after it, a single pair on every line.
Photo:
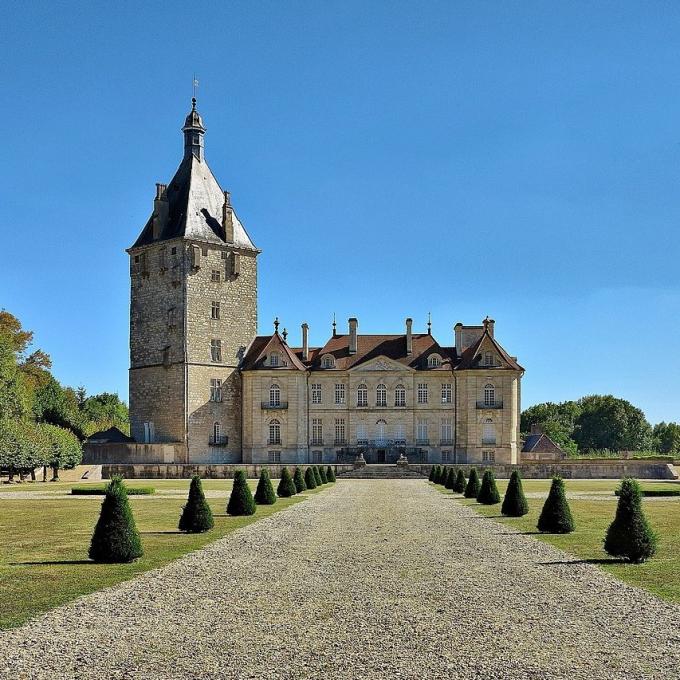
[515,159]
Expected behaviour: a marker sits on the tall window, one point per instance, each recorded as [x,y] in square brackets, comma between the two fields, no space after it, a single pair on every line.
[161,259]
[274,359]
[381,395]
[339,430]
[317,456]
[380,431]
[489,432]
[339,393]
[274,456]
[317,431]
[400,395]
[215,389]
[489,395]
[215,310]
[400,433]
[362,395]
[274,432]
[275,395]
[217,433]
[422,393]
[446,393]
[362,434]
[215,275]
[447,430]
[421,431]
[488,359]
[316,393]
[216,350]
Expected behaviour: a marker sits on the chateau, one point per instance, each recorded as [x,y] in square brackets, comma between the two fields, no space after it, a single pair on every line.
[204,382]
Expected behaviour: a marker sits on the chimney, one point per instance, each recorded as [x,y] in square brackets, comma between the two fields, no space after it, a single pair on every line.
[536,428]
[353,323]
[160,210]
[458,334]
[409,337]
[305,342]
[228,218]
[490,326]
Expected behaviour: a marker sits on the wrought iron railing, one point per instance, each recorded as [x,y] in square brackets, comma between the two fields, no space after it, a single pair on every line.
[498,403]
[220,440]
[274,405]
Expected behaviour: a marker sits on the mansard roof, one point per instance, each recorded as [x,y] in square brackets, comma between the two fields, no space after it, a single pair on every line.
[263,346]
[471,357]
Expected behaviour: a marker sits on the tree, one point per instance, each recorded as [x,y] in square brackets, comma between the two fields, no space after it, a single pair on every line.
[556,516]
[317,476]
[330,474]
[556,420]
[666,437]
[65,449]
[629,536]
[514,503]
[57,406]
[488,492]
[473,485]
[115,538]
[322,473]
[441,479]
[286,485]
[23,447]
[432,471]
[450,479]
[299,480]
[310,479]
[437,474]
[14,395]
[102,411]
[264,494]
[241,501]
[196,515]
[459,484]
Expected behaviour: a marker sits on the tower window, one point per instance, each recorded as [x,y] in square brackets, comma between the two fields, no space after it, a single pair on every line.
[215,389]
[215,275]
[275,395]
[215,310]
[216,350]
[173,251]
[489,395]
[274,432]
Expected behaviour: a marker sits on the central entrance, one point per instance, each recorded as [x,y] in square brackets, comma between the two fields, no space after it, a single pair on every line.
[381,456]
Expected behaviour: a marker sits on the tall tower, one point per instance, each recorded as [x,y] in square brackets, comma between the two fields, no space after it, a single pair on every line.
[193,312]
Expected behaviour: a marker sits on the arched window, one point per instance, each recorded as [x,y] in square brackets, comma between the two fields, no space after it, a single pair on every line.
[328,361]
[275,395]
[489,432]
[274,432]
[489,395]
[380,430]
[362,395]
[400,395]
[434,360]
[381,395]
[274,359]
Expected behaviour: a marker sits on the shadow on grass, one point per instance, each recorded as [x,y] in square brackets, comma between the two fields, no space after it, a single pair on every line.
[603,560]
[51,563]
[160,533]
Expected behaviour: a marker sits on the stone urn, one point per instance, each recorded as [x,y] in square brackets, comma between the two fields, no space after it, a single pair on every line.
[359,461]
[402,461]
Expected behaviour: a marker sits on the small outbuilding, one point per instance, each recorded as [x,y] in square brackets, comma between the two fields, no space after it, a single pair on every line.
[539,447]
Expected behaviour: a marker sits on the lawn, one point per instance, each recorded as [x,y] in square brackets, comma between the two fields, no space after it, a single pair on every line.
[44,542]
[660,575]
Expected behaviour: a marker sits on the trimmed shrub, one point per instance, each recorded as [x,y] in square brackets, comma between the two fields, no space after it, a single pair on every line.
[459,484]
[196,515]
[310,479]
[115,538]
[556,516]
[437,474]
[432,471]
[629,535]
[264,494]
[654,492]
[317,475]
[101,491]
[450,479]
[515,502]
[322,472]
[286,487]
[473,485]
[330,474]
[241,501]
[488,493]
[299,480]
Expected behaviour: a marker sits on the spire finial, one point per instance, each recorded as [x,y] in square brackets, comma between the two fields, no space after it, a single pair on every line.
[193,103]
[334,324]
[285,335]
[429,323]
[276,324]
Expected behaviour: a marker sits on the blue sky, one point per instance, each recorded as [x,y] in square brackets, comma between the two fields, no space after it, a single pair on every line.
[517,159]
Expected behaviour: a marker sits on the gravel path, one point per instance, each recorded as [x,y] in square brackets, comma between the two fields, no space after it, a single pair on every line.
[369,579]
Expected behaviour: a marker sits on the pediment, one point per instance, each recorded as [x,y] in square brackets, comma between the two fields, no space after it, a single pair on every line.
[381,363]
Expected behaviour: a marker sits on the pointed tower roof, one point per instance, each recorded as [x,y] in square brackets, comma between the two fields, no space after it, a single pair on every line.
[193,205]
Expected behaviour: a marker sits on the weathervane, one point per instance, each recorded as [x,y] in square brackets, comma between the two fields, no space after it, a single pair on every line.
[429,323]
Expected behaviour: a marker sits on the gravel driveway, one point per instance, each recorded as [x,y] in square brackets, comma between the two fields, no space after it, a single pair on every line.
[369,579]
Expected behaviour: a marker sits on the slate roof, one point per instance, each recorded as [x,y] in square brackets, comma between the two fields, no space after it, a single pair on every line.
[540,443]
[263,346]
[471,356]
[111,436]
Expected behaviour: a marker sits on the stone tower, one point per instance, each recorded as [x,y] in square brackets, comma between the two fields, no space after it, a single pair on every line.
[193,313]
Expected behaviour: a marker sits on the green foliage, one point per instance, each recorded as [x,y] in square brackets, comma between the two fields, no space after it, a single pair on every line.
[57,406]
[299,480]
[557,421]
[102,411]
[23,445]
[556,516]
[432,471]
[488,492]
[660,493]
[241,501]
[629,536]
[437,474]
[460,483]
[286,485]
[92,490]
[196,515]
[317,475]
[264,494]
[65,449]
[14,395]
[330,474]
[667,437]
[322,473]
[515,503]
[115,537]
[310,479]
[450,479]
[473,485]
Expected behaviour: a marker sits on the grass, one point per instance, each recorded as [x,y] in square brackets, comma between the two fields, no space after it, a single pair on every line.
[660,575]
[45,542]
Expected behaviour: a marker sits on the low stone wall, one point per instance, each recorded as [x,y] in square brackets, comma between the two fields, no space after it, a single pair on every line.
[129,453]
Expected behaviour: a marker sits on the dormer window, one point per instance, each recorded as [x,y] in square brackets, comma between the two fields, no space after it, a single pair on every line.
[274,359]
[488,359]
[328,361]
[434,361]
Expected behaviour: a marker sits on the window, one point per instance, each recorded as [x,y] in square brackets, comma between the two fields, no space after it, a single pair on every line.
[274,432]
[215,389]
[136,259]
[488,359]
[215,275]
[399,434]
[274,456]
[171,316]
[362,435]
[446,393]
[224,254]
[316,393]
[173,251]
[400,395]
[339,430]
[421,431]
[446,457]
[339,393]
[328,361]
[275,395]
[380,430]
[217,433]
[447,430]
[161,259]
[422,393]
[216,350]
[274,358]
[317,456]
[148,432]
[215,310]
[317,431]
[489,432]
[362,395]
[488,456]
[434,361]
[381,395]
[489,395]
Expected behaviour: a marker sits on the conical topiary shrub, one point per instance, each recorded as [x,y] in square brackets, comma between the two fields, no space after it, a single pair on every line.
[459,483]
[556,516]
[515,503]
[473,485]
[629,535]
[488,492]
[322,472]
[299,480]
[437,474]
[196,515]
[432,471]
[317,475]
[443,471]
[330,474]
[264,494]
[450,479]
[286,487]
[310,479]
[241,501]
[115,538]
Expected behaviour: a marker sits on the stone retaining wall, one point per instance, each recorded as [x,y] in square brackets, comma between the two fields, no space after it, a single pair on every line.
[205,471]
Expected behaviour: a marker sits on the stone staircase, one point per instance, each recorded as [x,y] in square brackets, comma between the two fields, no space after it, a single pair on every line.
[381,472]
